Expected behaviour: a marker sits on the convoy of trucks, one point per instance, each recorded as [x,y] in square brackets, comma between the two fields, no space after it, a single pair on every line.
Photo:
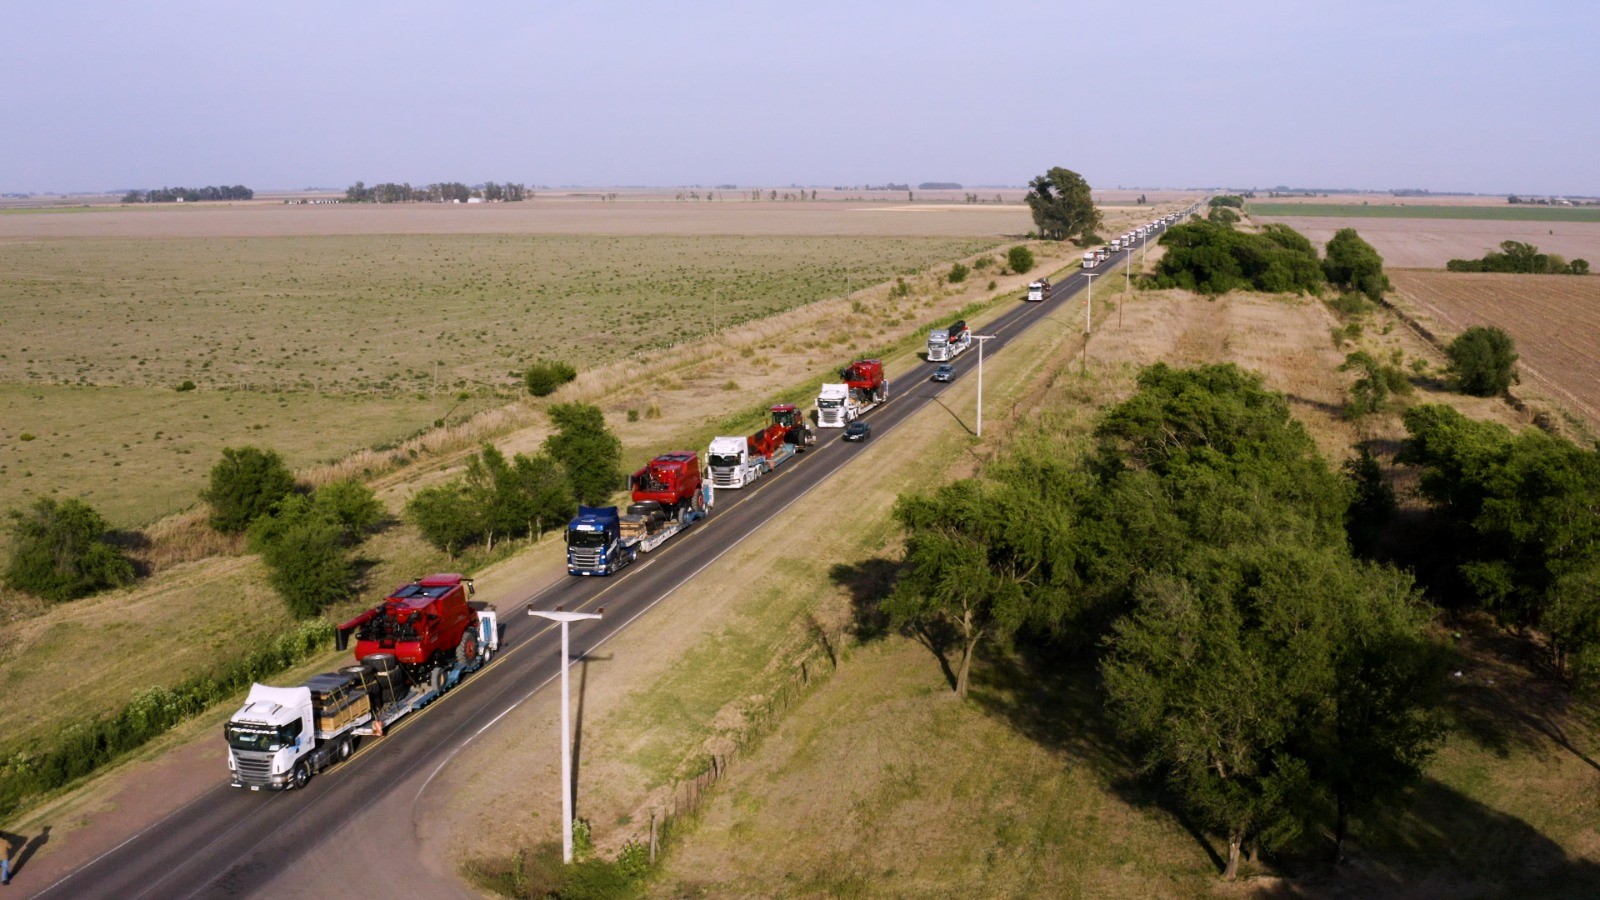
[426,636]
[411,648]
[945,344]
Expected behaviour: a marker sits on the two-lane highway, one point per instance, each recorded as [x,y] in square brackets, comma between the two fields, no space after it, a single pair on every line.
[230,843]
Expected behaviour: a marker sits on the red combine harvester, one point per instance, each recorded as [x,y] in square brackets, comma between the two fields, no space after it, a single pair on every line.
[425,628]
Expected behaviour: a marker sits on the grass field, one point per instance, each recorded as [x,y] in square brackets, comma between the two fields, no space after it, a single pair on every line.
[317,346]
[1507,212]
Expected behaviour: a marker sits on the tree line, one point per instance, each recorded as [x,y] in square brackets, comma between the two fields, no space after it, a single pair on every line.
[1211,258]
[189,195]
[442,192]
[1197,553]
[1522,259]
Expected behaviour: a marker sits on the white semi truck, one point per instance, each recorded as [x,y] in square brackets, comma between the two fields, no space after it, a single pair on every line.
[945,344]
[284,735]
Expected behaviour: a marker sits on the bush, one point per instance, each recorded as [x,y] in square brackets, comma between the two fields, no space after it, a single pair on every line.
[446,516]
[544,377]
[958,273]
[1376,386]
[1354,265]
[304,549]
[187,385]
[1214,259]
[983,262]
[352,505]
[1484,361]
[1020,260]
[245,485]
[59,552]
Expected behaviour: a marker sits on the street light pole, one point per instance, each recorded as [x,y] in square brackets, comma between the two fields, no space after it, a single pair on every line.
[556,615]
[980,338]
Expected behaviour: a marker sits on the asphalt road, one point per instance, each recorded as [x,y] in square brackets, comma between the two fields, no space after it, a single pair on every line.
[235,843]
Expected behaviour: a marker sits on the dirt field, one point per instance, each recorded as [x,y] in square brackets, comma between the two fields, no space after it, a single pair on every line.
[1554,319]
[1430,243]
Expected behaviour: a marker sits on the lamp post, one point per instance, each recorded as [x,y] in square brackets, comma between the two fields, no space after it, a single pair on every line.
[980,338]
[557,615]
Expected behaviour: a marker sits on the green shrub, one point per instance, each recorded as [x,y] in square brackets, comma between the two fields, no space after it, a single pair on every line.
[187,385]
[958,273]
[59,552]
[1214,259]
[1352,264]
[1483,360]
[542,378]
[1020,260]
[245,485]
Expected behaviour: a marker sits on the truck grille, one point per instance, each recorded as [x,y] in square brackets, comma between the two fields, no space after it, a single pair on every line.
[830,417]
[725,477]
[253,768]
[585,558]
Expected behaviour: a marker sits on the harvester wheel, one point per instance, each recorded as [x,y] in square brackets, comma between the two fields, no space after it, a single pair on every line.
[467,650]
[302,774]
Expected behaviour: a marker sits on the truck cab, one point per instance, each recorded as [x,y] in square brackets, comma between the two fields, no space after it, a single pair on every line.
[268,736]
[729,462]
[594,542]
[1039,291]
[834,409]
[1091,259]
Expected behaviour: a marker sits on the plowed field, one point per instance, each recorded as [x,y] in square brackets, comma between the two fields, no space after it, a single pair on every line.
[1555,320]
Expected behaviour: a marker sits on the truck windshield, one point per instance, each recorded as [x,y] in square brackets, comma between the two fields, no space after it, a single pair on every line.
[828,404]
[261,738]
[724,462]
[588,540]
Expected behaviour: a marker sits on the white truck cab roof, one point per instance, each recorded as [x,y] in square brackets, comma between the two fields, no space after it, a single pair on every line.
[273,705]
[723,445]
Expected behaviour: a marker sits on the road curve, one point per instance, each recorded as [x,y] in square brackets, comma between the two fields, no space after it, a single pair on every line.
[234,843]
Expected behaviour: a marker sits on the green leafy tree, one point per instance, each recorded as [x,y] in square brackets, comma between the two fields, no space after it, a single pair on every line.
[524,494]
[1353,264]
[245,484]
[447,516]
[59,552]
[352,505]
[587,450]
[304,546]
[953,575]
[1213,259]
[1062,205]
[1372,506]
[1483,360]
[1020,259]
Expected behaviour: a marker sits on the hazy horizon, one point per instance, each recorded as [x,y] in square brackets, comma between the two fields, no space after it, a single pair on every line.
[1448,97]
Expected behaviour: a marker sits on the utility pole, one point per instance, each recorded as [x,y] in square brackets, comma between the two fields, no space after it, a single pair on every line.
[557,615]
[1088,306]
[980,338]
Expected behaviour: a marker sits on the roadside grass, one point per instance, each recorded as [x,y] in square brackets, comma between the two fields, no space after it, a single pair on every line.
[1506,213]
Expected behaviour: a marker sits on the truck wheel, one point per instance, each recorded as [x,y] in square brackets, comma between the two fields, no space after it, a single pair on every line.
[302,774]
[436,679]
[344,749]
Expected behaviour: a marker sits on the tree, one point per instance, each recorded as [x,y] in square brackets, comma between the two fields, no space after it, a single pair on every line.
[1020,259]
[587,450]
[245,484]
[953,573]
[59,552]
[523,494]
[1483,360]
[1208,675]
[303,544]
[446,516]
[1353,264]
[1062,205]
[351,505]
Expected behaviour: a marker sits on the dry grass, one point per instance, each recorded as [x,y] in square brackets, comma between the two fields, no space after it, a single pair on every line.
[1554,319]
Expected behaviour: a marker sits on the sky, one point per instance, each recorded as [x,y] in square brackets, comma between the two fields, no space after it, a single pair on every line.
[1454,95]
